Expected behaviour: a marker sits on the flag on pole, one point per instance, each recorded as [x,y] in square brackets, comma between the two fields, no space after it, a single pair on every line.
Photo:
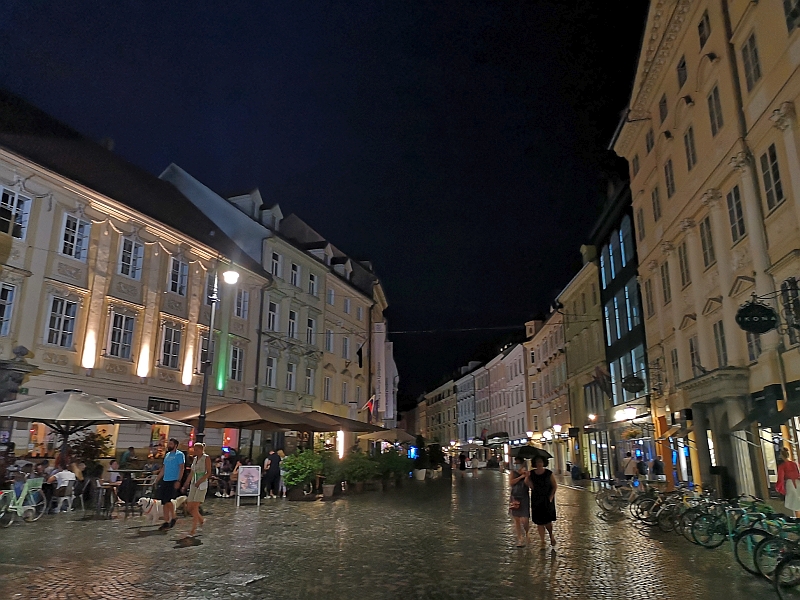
[370,404]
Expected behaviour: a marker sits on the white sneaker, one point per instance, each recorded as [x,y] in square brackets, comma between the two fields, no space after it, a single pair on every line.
[218,495]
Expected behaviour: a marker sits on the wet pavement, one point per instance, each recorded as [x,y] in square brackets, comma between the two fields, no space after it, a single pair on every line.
[425,540]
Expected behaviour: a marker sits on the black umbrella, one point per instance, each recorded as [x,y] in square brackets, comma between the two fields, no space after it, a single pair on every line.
[530,452]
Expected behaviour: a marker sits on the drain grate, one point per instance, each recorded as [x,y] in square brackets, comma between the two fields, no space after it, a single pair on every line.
[241,579]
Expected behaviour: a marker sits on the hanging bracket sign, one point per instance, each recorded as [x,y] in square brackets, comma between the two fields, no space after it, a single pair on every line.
[633,384]
[755,317]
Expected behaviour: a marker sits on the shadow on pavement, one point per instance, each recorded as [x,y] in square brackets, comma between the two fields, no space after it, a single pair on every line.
[187,542]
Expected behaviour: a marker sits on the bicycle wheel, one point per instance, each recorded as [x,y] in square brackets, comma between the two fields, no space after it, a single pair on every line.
[5,505]
[642,509]
[769,552]
[709,530]
[686,522]
[35,506]
[787,578]
[666,518]
[744,548]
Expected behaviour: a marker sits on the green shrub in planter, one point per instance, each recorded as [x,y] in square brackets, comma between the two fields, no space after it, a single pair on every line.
[391,464]
[301,468]
[357,467]
[331,468]
[436,455]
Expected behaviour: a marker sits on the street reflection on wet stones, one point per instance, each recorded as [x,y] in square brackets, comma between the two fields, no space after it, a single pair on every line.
[432,539]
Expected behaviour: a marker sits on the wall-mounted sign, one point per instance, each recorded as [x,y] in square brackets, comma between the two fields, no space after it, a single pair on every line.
[755,317]
[633,384]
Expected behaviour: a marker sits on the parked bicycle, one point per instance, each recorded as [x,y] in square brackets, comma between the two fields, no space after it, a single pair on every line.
[29,505]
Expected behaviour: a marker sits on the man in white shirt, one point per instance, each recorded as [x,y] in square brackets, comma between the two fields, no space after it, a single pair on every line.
[60,480]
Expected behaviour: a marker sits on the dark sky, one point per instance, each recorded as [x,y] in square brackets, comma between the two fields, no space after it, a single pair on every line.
[459,145]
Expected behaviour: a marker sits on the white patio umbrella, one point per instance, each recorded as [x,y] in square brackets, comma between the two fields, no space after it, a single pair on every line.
[70,412]
[390,435]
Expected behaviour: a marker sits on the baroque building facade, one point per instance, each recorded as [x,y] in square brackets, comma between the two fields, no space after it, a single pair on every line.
[105,280]
[711,138]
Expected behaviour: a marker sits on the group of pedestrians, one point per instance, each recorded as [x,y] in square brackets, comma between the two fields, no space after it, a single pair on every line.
[533,494]
[638,468]
[174,479]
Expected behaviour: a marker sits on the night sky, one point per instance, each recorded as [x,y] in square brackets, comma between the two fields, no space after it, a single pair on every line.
[460,146]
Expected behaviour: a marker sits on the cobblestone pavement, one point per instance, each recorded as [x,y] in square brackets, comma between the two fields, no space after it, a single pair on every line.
[431,540]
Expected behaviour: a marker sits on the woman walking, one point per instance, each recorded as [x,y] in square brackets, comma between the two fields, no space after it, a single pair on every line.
[520,501]
[543,493]
[789,482]
[201,471]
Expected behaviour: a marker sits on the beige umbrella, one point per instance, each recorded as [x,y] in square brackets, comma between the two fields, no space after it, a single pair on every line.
[247,415]
[336,423]
[390,435]
[70,412]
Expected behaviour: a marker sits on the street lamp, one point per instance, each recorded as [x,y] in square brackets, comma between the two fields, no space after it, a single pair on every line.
[230,277]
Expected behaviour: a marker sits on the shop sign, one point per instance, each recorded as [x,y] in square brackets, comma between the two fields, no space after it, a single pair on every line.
[755,317]
[632,384]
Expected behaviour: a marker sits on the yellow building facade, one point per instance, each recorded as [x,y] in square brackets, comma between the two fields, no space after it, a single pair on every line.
[584,345]
[711,138]
[110,300]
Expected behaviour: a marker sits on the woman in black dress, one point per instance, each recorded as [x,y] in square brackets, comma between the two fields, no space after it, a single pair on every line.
[520,503]
[543,493]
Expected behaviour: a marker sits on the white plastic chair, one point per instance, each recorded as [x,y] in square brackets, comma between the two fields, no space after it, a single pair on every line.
[57,502]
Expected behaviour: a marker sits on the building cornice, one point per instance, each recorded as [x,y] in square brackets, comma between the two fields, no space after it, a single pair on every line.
[657,48]
[113,209]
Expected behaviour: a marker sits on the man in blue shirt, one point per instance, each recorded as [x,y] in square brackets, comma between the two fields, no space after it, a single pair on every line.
[169,481]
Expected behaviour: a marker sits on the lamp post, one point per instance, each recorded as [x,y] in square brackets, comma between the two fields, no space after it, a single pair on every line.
[230,277]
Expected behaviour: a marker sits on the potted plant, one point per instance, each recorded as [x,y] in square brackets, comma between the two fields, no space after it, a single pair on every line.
[89,449]
[422,462]
[301,470]
[392,467]
[331,473]
[437,461]
[358,468]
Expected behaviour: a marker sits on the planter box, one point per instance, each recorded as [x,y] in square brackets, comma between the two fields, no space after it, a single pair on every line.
[419,474]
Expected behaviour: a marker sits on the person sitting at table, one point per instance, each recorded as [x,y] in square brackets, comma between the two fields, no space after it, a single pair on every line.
[114,477]
[60,481]
[114,480]
[127,458]
[40,470]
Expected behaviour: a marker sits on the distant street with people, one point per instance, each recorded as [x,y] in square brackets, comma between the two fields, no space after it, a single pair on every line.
[429,539]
